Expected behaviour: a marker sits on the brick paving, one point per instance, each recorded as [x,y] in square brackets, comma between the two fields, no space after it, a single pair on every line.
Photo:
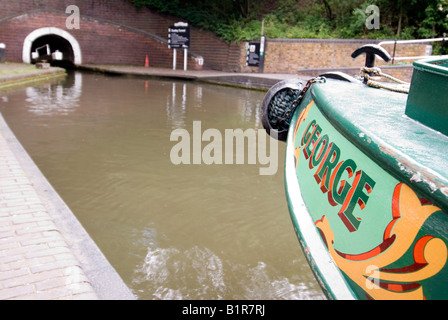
[35,259]
[45,253]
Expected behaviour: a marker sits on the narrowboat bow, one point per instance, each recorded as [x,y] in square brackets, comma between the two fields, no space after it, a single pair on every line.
[366,178]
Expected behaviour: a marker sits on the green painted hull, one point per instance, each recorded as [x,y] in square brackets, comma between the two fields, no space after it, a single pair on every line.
[367,191]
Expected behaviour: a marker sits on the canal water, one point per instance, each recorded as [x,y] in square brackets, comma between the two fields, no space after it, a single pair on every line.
[186,231]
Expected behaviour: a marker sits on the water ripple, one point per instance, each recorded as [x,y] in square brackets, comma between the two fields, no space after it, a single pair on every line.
[198,273]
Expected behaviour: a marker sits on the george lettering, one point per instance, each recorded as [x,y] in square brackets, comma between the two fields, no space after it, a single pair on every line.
[307,134]
[310,141]
[323,173]
[339,188]
[318,151]
[341,182]
[356,195]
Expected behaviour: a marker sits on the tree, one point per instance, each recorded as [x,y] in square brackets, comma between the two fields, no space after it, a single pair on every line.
[423,18]
[241,19]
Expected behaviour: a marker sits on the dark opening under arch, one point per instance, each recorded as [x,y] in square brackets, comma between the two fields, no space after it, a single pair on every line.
[55,43]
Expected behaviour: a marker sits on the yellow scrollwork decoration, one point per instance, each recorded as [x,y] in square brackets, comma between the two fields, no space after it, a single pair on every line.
[368,270]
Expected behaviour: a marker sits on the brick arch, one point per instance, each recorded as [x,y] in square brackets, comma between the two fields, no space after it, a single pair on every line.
[99,41]
[137,24]
[30,38]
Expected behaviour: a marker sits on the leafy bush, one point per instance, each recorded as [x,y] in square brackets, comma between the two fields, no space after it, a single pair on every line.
[238,20]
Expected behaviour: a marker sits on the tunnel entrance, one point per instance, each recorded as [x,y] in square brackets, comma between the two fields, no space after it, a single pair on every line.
[45,47]
[53,45]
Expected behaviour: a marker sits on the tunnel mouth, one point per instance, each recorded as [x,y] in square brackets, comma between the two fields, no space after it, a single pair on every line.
[45,48]
[55,44]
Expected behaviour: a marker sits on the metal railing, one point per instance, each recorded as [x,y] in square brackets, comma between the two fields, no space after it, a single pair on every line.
[398,42]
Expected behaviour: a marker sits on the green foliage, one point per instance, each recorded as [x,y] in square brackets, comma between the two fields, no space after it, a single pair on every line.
[238,20]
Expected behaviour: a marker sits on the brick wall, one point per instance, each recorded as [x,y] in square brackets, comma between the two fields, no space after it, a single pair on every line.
[313,56]
[116,32]
[100,42]
[217,54]
[291,55]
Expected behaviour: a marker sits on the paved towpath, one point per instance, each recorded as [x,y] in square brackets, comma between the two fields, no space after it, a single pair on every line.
[44,251]
[35,260]
[19,73]
[261,81]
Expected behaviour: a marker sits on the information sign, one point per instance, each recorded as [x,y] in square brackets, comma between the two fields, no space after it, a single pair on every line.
[179,36]
[253,55]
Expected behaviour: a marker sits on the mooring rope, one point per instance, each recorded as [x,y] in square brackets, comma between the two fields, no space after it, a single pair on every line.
[369,73]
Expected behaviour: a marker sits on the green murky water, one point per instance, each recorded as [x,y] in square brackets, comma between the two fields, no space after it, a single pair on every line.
[171,231]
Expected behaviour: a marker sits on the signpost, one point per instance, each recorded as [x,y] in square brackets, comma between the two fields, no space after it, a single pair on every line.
[179,38]
[255,52]
[262,49]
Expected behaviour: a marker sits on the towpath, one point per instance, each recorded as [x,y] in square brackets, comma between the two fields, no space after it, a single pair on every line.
[261,81]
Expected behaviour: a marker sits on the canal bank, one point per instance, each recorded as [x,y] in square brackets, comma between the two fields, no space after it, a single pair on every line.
[256,81]
[13,74]
[45,253]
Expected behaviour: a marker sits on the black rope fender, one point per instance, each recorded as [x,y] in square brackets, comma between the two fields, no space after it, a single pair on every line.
[280,103]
